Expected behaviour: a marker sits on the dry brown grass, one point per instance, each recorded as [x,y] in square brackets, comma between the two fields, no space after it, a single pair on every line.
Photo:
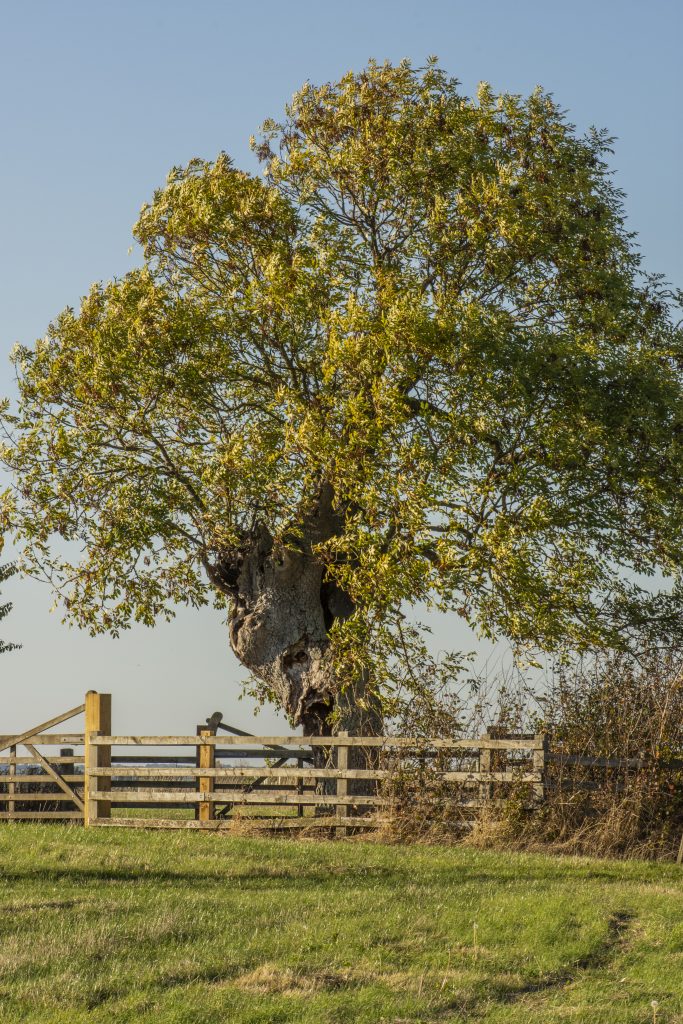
[271,979]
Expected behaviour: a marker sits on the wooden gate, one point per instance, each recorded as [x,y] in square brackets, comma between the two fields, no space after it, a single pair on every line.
[38,786]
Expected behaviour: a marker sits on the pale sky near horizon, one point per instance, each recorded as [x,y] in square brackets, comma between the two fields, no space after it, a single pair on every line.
[100,100]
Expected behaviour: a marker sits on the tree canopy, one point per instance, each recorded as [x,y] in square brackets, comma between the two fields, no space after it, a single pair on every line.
[418,352]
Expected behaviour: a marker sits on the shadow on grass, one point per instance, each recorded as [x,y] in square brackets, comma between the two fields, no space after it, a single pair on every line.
[299,876]
[142,875]
[599,957]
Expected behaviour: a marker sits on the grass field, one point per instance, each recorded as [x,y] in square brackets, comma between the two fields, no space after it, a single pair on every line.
[112,926]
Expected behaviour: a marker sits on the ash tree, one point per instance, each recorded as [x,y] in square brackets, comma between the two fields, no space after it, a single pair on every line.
[416,360]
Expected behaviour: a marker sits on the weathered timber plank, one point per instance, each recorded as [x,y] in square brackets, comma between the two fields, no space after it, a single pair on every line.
[294,774]
[230,824]
[398,742]
[509,775]
[276,824]
[169,804]
[31,733]
[18,815]
[262,797]
[248,735]
[120,776]
[286,772]
[135,784]
[140,806]
[235,753]
[52,760]
[17,777]
[49,739]
[45,798]
[239,786]
[217,825]
[41,777]
[597,762]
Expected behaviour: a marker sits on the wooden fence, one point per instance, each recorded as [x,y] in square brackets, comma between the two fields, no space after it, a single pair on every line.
[210,781]
[284,782]
[310,797]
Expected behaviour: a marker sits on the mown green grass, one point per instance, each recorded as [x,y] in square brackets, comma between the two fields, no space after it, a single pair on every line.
[112,925]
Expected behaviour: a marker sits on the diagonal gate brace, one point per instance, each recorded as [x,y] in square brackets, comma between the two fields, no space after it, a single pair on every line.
[13,741]
[56,776]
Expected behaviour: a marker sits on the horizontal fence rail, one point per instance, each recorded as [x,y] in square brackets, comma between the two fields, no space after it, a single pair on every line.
[47,739]
[386,742]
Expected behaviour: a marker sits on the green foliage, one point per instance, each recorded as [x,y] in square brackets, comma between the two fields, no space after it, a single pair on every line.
[117,927]
[5,572]
[430,303]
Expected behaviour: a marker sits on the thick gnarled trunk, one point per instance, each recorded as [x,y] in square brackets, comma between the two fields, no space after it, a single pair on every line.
[282,611]
[279,629]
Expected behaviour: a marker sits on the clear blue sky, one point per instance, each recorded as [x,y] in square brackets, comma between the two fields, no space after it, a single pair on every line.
[100,99]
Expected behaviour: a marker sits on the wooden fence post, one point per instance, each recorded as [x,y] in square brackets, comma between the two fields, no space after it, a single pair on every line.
[485,787]
[11,785]
[97,720]
[206,758]
[540,749]
[342,785]
[63,769]
[300,789]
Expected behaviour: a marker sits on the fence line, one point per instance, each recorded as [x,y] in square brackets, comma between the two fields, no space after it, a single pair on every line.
[327,794]
[297,782]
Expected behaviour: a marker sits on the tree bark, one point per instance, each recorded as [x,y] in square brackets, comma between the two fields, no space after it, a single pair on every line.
[278,629]
[282,610]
